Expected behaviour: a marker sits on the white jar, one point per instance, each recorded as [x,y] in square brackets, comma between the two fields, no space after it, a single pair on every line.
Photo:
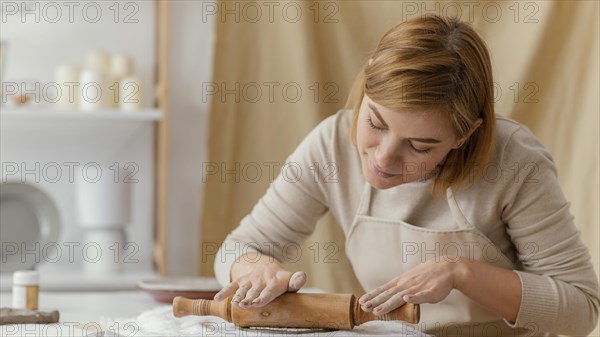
[25,289]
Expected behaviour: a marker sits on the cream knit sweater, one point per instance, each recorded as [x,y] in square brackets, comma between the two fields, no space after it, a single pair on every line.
[519,206]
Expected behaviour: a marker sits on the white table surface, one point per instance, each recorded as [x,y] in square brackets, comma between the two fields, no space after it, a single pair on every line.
[81,313]
[85,307]
[87,313]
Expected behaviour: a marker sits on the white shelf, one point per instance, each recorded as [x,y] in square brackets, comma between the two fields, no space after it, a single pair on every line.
[8,113]
[79,281]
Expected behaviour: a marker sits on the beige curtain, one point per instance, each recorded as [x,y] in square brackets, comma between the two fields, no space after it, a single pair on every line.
[280,69]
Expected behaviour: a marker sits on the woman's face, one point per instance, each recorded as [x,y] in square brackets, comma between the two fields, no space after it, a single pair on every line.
[400,146]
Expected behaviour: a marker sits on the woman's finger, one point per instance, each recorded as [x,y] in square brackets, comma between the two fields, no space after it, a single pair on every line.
[251,294]
[419,297]
[227,291]
[267,295]
[393,302]
[383,297]
[297,281]
[240,294]
[365,299]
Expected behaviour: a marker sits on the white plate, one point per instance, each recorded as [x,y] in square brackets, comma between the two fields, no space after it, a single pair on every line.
[181,284]
[167,288]
[29,220]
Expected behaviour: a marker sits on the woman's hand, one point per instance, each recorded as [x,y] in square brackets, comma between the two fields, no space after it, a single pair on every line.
[428,282]
[258,280]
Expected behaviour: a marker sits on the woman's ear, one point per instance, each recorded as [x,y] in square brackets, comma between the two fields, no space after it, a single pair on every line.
[463,140]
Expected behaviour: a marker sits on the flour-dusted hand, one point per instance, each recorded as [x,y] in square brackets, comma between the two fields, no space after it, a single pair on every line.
[428,282]
[257,280]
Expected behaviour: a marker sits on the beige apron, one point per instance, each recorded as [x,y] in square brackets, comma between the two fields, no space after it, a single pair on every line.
[381,249]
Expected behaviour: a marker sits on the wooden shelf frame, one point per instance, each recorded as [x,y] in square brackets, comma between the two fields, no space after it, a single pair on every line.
[162,138]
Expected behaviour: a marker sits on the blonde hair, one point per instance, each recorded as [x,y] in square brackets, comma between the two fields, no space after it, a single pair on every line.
[442,64]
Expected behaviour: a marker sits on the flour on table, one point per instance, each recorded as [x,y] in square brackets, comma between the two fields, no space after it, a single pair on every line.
[161,322]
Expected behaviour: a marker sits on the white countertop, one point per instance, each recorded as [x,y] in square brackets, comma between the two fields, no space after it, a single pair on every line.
[81,313]
[85,307]
[135,313]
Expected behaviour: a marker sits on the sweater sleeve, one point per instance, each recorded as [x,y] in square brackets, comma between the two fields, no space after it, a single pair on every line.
[559,285]
[286,215]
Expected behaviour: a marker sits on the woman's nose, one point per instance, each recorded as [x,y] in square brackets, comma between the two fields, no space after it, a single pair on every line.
[388,156]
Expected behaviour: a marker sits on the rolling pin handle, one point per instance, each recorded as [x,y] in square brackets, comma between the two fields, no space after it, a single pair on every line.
[186,307]
[410,313]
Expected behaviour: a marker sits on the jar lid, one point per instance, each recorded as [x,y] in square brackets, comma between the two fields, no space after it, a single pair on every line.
[26,277]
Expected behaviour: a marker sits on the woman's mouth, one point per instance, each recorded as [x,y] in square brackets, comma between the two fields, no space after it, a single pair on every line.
[376,170]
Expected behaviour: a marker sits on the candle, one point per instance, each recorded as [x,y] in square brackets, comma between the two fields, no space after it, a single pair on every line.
[112,90]
[67,79]
[130,96]
[92,90]
[97,60]
[121,66]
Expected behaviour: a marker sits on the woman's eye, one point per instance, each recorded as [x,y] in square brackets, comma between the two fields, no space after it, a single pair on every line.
[373,126]
[418,150]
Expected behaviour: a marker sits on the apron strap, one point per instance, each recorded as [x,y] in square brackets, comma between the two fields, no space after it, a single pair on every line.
[457,214]
[365,200]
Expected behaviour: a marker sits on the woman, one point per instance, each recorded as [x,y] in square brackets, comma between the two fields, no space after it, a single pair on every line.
[442,202]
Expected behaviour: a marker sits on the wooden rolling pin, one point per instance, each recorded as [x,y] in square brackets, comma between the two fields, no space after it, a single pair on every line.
[293,310]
